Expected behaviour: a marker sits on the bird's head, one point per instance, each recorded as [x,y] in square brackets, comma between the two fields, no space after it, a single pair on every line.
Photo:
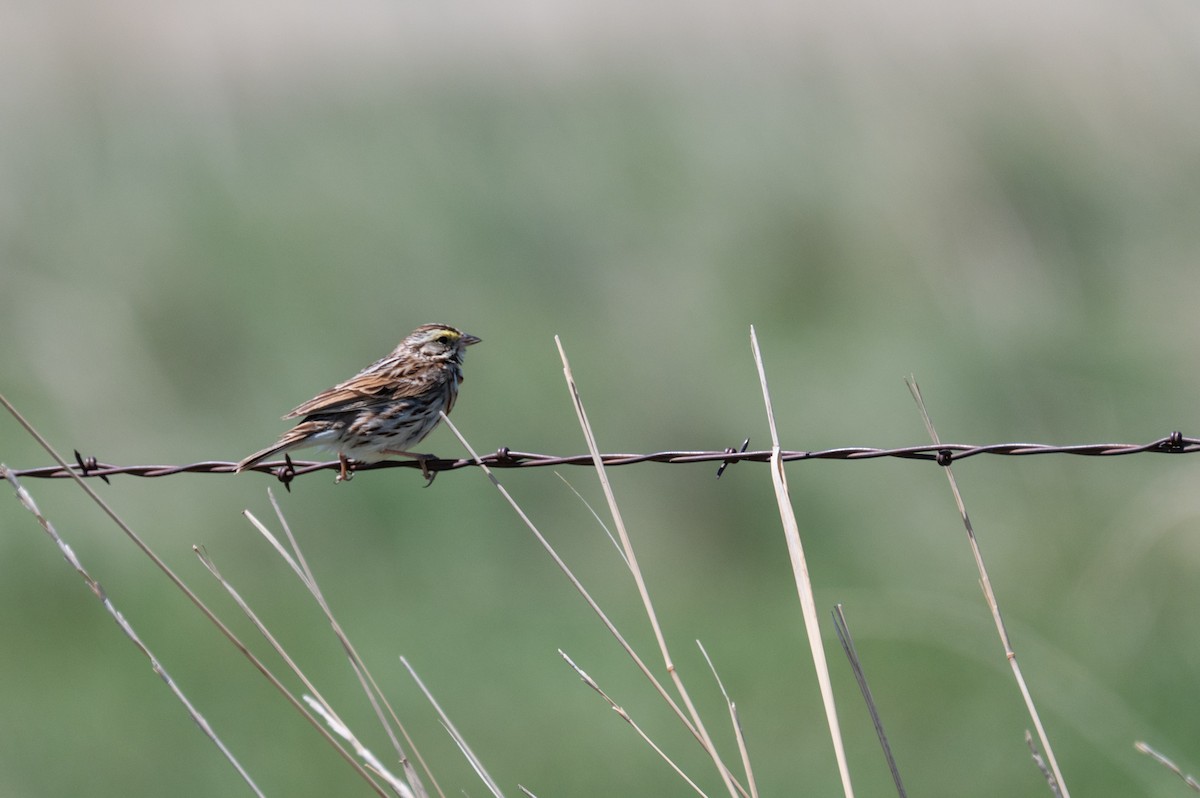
[438,342]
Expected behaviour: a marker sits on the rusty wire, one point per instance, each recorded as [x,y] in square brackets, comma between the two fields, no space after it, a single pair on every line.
[942,454]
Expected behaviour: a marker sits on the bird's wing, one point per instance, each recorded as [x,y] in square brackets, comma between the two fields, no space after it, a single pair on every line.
[377,383]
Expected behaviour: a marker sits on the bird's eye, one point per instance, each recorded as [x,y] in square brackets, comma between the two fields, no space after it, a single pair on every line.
[444,340]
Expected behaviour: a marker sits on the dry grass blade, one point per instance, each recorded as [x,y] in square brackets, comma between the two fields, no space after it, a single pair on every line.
[808,604]
[191,596]
[138,542]
[990,596]
[375,696]
[296,561]
[327,713]
[595,515]
[639,580]
[587,597]
[372,762]
[743,751]
[459,740]
[1043,768]
[98,591]
[1168,764]
[847,641]
[625,716]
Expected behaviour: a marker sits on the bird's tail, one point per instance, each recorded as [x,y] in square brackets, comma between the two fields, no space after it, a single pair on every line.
[295,438]
[258,457]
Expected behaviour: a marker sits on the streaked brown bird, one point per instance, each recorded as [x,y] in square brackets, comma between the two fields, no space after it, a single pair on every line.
[386,408]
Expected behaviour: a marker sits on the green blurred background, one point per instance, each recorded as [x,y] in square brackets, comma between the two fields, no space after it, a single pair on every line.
[211,211]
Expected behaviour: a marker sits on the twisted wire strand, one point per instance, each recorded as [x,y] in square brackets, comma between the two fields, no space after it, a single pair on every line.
[944,454]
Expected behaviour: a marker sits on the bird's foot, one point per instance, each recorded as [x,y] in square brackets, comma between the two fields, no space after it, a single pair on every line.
[424,459]
[345,474]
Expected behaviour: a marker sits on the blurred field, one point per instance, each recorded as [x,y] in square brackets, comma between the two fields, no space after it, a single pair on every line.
[209,212]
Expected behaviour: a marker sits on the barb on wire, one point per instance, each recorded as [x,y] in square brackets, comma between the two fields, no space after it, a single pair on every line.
[728,462]
[943,454]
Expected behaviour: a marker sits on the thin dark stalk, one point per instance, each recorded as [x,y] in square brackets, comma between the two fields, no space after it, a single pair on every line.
[843,632]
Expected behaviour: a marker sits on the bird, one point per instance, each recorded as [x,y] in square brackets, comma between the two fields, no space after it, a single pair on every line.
[386,408]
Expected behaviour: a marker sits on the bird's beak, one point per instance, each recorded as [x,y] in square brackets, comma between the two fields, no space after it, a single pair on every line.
[468,339]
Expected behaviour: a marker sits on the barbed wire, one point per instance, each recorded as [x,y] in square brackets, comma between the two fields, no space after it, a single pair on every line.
[942,454]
